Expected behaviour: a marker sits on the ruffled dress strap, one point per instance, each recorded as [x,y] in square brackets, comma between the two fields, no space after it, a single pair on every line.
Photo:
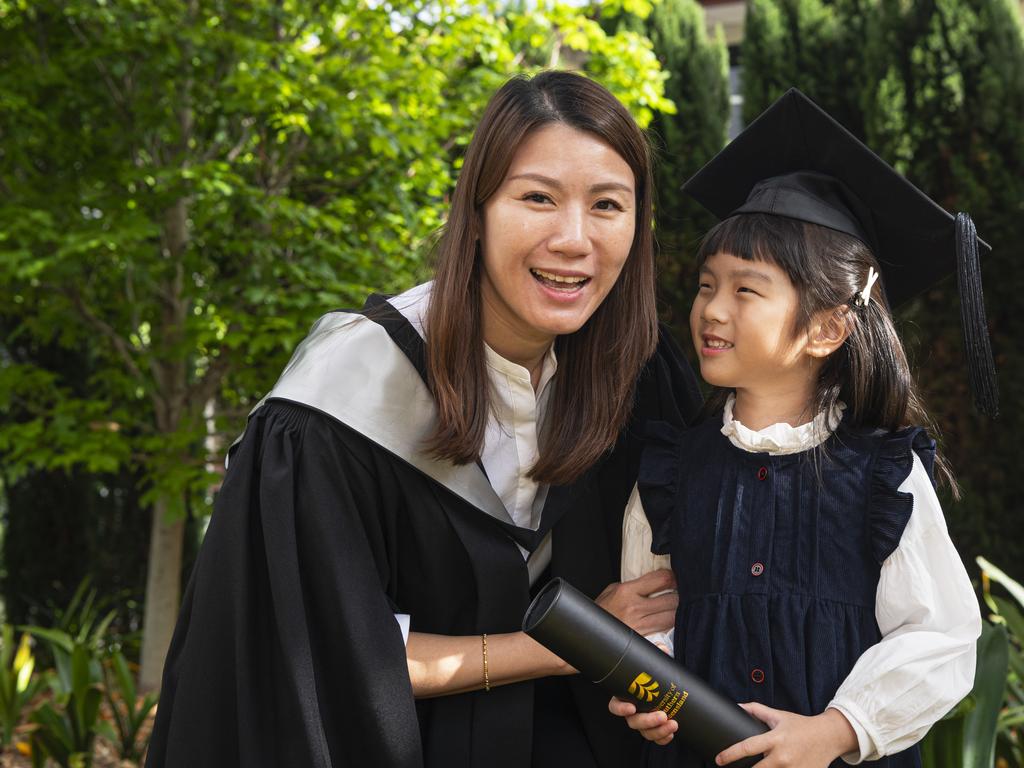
[890,508]
[658,479]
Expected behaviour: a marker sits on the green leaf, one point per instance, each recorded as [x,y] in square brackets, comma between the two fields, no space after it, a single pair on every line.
[55,733]
[55,637]
[6,645]
[125,679]
[1010,614]
[994,573]
[989,684]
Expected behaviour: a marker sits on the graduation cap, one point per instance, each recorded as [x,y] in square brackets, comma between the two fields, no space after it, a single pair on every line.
[796,161]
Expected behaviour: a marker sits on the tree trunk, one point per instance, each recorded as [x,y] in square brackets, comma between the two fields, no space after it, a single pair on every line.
[163,593]
[163,580]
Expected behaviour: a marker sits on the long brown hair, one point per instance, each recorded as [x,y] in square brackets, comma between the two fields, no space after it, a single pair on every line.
[869,372]
[597,365]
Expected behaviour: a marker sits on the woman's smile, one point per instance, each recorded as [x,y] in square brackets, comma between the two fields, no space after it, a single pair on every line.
[559,285]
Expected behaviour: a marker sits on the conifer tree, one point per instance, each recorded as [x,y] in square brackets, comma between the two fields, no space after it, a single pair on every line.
[950,114]
[814,45]
[936,87]
[698,84]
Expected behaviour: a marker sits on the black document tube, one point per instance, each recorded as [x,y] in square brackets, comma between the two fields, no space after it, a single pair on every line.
[609,653]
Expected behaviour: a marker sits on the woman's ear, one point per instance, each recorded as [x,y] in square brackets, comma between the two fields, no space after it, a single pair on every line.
[829,329]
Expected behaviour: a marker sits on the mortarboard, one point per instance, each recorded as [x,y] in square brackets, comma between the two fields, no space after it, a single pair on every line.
[796,161]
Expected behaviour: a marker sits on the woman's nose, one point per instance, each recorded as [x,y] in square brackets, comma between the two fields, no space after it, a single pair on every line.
[571,237]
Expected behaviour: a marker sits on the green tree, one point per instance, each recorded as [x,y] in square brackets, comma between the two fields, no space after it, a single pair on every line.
[950,114]
[684,140]
[936,87]
[814,45]
[698,85]
[91,523]
[766,73]
[185,186]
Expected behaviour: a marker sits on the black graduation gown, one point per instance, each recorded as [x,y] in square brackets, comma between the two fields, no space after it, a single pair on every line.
[287,652]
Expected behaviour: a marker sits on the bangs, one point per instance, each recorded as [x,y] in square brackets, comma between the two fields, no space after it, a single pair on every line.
[758,237]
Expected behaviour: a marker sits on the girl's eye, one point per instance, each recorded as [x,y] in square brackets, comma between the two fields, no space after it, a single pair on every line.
[608,205]
[704,287]
[744,289]
[537,197]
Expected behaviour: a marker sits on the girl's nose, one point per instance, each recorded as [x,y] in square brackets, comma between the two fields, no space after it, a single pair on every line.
[571,237]
[714,309]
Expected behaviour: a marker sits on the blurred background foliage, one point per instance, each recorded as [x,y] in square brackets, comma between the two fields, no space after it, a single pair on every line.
[186,186]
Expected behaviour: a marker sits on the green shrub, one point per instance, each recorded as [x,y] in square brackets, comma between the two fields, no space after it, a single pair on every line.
[128,710]
[1008,614]
[984,729]
[67,732]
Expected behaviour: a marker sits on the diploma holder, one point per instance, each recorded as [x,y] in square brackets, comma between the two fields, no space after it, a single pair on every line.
[609,653]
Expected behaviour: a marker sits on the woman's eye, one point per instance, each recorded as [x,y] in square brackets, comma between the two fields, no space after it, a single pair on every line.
[608,205]
[537,197]
[744,289]
[704,287]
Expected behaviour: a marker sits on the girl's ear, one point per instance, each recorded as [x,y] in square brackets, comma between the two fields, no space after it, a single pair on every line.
[829,330]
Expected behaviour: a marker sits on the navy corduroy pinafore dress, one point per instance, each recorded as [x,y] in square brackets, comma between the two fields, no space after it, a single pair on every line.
[777,559]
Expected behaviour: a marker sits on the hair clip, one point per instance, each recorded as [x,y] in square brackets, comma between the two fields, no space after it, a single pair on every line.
[863,298]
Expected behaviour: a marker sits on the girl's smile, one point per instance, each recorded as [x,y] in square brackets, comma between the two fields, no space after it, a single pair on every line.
[714,345]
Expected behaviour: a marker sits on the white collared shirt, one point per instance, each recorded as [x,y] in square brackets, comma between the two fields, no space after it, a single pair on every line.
[510,446]
[924,604]
[511,438]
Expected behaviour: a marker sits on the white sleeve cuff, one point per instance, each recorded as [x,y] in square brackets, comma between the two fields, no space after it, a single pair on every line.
[403,624]
[666,639]
[865,743]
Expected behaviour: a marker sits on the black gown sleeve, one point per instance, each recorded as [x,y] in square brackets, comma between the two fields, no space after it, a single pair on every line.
[668,390]
[587,544]
[287,652]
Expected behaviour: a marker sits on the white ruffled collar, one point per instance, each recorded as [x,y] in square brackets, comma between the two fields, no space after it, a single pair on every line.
[780,439]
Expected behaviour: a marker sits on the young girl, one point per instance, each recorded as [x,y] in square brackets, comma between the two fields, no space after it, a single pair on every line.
[817,581]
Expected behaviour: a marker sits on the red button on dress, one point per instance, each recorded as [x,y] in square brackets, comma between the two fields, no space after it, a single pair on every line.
[762,473]
[757,675]
[757,569]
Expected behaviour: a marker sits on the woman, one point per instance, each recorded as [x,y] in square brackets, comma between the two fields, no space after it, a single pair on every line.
[420,465]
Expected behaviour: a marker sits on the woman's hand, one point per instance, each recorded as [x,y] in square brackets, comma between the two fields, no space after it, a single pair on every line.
[631,601]
[653,726]
[794,740]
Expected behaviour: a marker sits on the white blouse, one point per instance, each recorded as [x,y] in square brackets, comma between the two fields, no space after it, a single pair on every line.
[510,446]
[924,604]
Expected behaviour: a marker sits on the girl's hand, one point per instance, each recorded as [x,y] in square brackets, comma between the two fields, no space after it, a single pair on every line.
[653,726]
[794,740]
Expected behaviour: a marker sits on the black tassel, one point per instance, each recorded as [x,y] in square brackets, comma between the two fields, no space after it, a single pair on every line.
[981,367]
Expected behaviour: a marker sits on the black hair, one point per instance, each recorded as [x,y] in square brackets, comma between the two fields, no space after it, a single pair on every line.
[829,269]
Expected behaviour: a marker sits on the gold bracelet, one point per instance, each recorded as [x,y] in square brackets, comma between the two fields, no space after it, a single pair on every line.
[487,677]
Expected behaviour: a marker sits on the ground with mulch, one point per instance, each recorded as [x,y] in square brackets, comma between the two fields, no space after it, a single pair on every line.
[105,754]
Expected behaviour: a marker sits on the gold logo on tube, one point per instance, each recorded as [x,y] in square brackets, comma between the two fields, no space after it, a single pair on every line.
[644,687]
